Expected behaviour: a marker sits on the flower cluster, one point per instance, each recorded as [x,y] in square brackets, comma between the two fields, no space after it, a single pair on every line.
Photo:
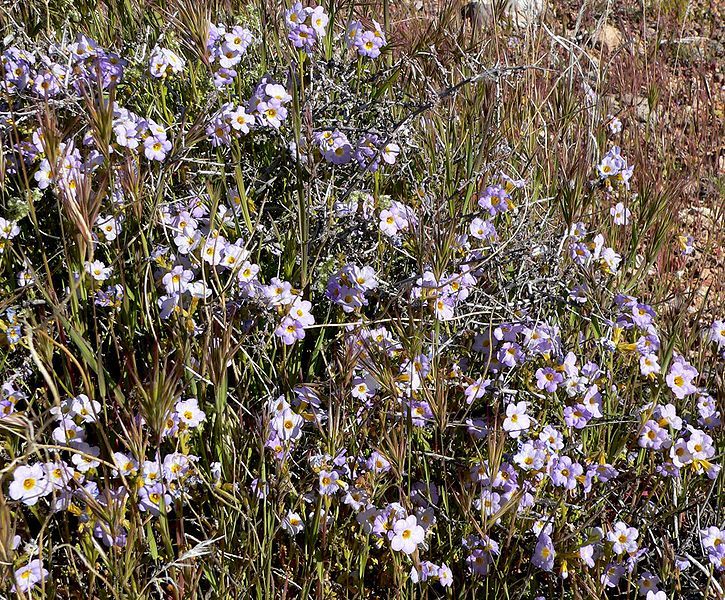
[613,169]
[269,102]
[366,42]
[349,286]
[133,132]
[72,68]
[586,250]
[306,25]
[225,50]
[83,484]
[164,62]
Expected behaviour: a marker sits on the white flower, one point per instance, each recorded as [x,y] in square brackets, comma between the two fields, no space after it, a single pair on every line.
[189,412]
[68,432]
[288,425]
[390,153]
[8,229]
[175,466]
[125,465]
[391,223]
[28,576]
[278,92]
[615,126]
[188,240]
[199,289]
[151,472]
[620,213]
[241,120]
[610,260]
[234,255]
[98,270]
[212,250]
[87,409]
[58,474]
[177,280]
[293,523]
[623,538]
[44,174]
[109,226]
[516,419]
[29,484]
[408,535]
[163,61]
[87,460]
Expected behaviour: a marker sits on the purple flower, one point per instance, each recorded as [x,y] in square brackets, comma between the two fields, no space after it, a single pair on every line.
[564,472]
[531,456]
[420,413]
[328,481]
[510,354]
[612,574]
[153,499]
[654,437]
[367,153]
[29,484]
[110,538]
[612,163]
[156,147]
[716,333]
[544,553]
[390,153]
[548,379]
[577,416]
[476,389]
[407,535]
[494,200]
[259,488]
[369,44]
[6,408]
[642,315]
[224,77]
[579,253]
[335,147]
[303,37]
[478,561]
[680,378]
[444,308]
[272,112]
[289,331]
[30,575]
[713,541]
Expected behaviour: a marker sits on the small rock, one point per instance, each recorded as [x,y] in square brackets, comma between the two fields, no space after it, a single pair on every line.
[609,37]
[640,104]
